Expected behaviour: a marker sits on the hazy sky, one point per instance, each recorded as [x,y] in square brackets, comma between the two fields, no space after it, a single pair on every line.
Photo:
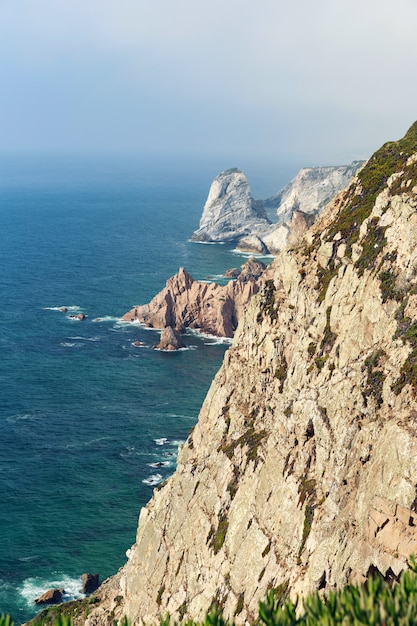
[325,81]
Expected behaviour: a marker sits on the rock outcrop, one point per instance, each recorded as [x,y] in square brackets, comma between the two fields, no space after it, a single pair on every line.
[170,340]
[208,307]
[52,596]
[230,211]
[231,214]
[302,468]
[90,583]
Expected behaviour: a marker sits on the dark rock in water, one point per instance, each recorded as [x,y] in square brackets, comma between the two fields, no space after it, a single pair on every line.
[81,316]
[91,583]
[170,340]
[63,309]
[53,596]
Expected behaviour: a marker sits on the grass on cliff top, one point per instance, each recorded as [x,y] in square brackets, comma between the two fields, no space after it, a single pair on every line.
[390,158]
[377,602]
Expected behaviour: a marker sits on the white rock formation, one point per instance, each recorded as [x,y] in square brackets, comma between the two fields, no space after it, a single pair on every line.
[311,189]
[230,211]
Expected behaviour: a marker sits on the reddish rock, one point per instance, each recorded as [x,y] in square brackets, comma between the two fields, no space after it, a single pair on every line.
[208,307]
[52,596]
[170,340]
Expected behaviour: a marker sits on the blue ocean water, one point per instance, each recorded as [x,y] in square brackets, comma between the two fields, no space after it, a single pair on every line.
[89,422]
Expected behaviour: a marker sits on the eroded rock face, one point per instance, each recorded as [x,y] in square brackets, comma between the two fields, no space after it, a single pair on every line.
[230,211]
[207,307]
[302,469]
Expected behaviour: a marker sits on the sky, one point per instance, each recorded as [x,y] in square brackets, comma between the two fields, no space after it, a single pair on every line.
[322,82]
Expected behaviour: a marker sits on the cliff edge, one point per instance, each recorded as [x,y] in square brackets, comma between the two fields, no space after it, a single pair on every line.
[302,468]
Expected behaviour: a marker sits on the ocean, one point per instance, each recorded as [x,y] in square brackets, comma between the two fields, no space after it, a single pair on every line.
[89,422]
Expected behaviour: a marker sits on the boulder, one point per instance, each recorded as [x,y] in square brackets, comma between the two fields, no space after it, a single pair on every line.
[90,583]
[52,596]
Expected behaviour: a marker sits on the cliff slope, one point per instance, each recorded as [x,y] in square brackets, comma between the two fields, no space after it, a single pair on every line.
[302,469]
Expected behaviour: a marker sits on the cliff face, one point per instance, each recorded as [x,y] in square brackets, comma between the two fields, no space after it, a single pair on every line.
[302,469]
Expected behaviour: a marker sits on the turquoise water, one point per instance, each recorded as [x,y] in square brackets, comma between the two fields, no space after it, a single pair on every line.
[89,423]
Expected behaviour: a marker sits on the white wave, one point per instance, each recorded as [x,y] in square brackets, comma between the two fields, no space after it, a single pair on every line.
[161,441]
[152,480]
[255,255]
[63,309]
[23,416]
[208,243]
[139,344]
[68,344]
[78,338]
[177,442]
[106,318]
[213,339]
[32,588]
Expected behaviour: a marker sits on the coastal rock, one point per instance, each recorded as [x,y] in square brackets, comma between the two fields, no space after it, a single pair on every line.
[170,340]
[252,244]
[301,472]
[230,211]
[53,596]
[207,307]
[90,583]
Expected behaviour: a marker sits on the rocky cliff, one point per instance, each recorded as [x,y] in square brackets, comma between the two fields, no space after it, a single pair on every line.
[302,468]
[311,189]
[205,306]
[230,211]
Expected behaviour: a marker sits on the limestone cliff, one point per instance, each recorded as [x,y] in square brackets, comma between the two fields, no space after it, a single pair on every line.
[230,211]
[311,189]
[208,307]
[302,468]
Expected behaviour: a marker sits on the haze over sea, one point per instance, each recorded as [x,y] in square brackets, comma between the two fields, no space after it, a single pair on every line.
[89,422]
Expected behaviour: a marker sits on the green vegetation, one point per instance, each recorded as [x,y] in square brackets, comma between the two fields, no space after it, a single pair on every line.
[216,537]
[375,603]
[358,205]
[407,330]
[267,304]
[329,337]
[375,377]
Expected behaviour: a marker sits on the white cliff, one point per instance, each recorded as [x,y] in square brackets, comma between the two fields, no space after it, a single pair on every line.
[230,211]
